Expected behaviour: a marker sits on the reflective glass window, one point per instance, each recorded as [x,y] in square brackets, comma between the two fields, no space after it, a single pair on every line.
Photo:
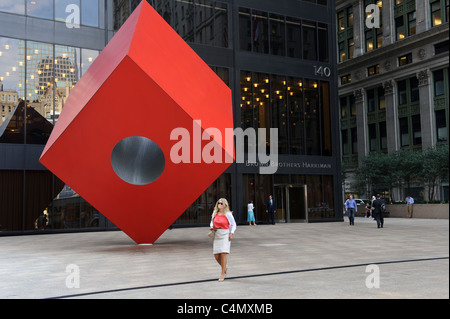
[441,125]
[354,138]
[65,210]
[411,23]
[416,130]
[277,35]
[309,40]
[89,216]
[296,116]
[323,43]
[260,35]
[439,86]
[211,23]
[400,28]
[11,64]
[185,19]
[246,102]
[87,58]
[343,102]
[351,48]
[383,135]
[261,87]
[325,128]
[67,74]
[405,59]
[279,111]
[341,21]
[40,89]
[245,30]
[436,18]
[404,131]
[402,95]
[62,5]
[342,52]
[12,81]
[352,105]
[294,37]
[373,137]
[369,41]
[90,12]
[220,27]
[40,9]
[13,6]
[350,17]
[312,117]
[370,100]
[204,20]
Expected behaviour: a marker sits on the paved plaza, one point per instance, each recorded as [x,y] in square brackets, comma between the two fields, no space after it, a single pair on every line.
[408,258]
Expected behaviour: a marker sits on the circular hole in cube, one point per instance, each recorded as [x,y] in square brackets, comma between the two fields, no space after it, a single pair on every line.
[138,160]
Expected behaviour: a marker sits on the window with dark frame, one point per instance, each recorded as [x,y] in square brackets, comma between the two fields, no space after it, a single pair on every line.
[405,59]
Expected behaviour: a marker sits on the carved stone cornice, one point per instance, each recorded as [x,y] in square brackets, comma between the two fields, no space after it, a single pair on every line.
[388,87]
[423,77]
[359,95]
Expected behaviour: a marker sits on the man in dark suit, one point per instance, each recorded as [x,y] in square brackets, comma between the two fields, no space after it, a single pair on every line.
[270,210]
[378,211]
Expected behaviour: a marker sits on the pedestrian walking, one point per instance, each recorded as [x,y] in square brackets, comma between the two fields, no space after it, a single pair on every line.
[378,211]
[224,226]
[409,206]
[350,208]
[251,213]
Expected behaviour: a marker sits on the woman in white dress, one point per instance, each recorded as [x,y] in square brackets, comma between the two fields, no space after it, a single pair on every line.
[224,226]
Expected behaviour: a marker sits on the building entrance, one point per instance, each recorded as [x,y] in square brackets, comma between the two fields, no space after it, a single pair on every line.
[291,203]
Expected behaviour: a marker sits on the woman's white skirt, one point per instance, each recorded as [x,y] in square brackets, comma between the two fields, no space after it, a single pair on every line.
[221,243]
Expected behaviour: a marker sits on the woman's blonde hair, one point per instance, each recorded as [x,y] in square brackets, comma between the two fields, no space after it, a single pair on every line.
[226,207]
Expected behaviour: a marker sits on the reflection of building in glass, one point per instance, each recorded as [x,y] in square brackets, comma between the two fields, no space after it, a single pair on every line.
[8,101]
[51,102]
[47,76]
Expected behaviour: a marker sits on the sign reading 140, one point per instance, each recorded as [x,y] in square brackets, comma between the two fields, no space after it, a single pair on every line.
[322,71]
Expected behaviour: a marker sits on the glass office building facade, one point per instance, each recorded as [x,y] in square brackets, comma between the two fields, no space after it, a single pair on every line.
[278,58]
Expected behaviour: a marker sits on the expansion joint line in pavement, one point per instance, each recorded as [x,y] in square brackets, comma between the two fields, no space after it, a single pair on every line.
[280,273]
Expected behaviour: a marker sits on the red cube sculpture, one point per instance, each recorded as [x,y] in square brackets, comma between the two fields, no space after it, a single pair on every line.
[112,142]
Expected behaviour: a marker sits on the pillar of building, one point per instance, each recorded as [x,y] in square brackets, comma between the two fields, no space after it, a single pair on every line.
[392,130]
[426,110]
[388,29]
[358,29]
[361,123]
[422,15]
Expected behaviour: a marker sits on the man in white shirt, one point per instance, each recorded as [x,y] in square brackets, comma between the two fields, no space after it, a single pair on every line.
[409,206]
